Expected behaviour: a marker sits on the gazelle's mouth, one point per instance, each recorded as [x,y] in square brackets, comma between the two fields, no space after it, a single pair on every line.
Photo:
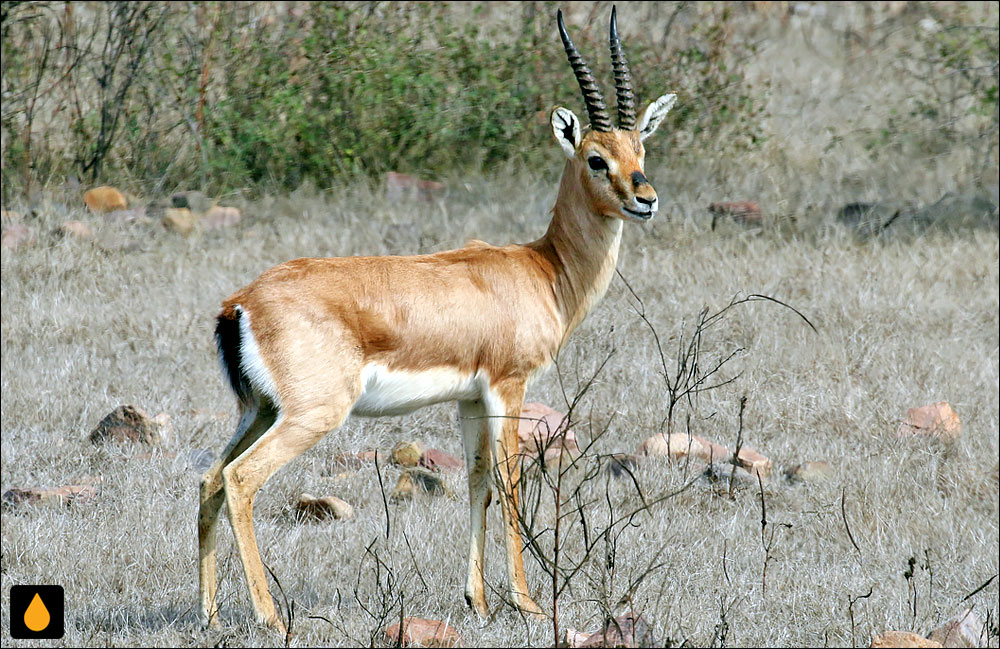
[641,216]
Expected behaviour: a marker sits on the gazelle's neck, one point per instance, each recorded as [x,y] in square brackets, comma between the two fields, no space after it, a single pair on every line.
[583,248]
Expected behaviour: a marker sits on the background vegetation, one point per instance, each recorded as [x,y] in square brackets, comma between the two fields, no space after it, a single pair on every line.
[802,107]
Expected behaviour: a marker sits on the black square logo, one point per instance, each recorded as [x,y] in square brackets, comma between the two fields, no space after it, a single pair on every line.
[36,612]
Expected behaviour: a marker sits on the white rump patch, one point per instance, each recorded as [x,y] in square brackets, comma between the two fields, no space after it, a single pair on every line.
[251,362]
[397,392]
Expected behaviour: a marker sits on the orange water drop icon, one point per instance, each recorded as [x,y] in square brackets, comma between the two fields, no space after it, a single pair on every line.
[36,617]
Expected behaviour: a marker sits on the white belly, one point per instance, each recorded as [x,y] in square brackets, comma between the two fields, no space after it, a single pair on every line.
[397,392]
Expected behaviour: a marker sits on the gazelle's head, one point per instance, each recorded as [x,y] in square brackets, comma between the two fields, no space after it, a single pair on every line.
[608,161]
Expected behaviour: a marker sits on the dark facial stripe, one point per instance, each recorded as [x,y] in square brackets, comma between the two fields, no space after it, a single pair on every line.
[638,180]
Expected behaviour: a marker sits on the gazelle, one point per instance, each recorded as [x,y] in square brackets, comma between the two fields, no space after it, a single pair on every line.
[312,341]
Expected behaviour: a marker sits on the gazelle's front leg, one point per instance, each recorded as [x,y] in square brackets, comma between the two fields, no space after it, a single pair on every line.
[503,407]
[478,462]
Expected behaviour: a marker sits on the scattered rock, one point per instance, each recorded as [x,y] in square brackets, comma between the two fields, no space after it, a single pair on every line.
[542,429]
[436,460]
[619,465]
[679,445]
[628,630]
[722,473]
[129,424]
[415,481]
[8,216]
[180,220]
[198,460]
[754,462]
[75,230]
[220,217]
[957,211]
[104,199]
[936,420]
[902,639]
[674,446]
[809,472]
[963,630]
[324,508]
[15,236]
[418,632]
[192,200]
[355,461]
[406,187]
[58,496]
[745,212]
[869,218]
[407,453]
[126,216]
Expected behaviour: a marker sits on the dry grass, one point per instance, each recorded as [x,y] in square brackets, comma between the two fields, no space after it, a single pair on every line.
[902,322]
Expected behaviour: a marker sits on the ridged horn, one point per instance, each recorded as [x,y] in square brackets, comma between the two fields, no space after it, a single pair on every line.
[598,112]
[623,80]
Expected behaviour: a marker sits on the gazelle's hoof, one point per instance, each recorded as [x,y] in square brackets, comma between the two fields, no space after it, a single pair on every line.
[527,606]
[478,605]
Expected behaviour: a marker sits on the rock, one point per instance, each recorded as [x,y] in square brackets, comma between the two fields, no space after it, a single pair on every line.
[419,632]
[745,212]
[198,460]
[953,211]
[166,425]
[355,461]
[749,459]
[679,445]
[573,638]
[407,453]
[324,508]
[869,219]
[436,460]
[722,473]
[619,465]
[8,216]
[936,420]
[15,236]
[406,187]
[415,481]
[628,630]
[963,630]
[75,230]
[674,446]
[58,496]
[809,472]
[541,429]
[220,217]
[104,199]
[127,216]
[195,201]
[902,639]
[127,424]
[180,220]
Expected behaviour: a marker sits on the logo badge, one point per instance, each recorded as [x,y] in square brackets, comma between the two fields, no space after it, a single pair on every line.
[36,612]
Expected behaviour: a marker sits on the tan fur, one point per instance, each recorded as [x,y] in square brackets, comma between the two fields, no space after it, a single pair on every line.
[381,335]
[501,313]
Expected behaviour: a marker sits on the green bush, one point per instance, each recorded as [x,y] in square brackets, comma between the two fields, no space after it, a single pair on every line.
[243,96]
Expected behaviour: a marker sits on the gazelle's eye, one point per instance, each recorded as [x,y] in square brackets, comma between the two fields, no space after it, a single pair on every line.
[597,163]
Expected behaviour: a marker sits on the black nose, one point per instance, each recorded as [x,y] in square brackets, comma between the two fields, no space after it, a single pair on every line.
[638,179]
[645,201]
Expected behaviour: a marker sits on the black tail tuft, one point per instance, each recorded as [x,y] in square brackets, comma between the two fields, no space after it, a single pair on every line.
[227,339]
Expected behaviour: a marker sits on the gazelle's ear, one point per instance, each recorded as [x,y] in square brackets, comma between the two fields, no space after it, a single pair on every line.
[654,114]
[566,128]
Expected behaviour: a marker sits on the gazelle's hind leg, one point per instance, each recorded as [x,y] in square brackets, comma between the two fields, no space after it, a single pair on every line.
[255,419]
[503,407]
[479,462]
[293,433]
